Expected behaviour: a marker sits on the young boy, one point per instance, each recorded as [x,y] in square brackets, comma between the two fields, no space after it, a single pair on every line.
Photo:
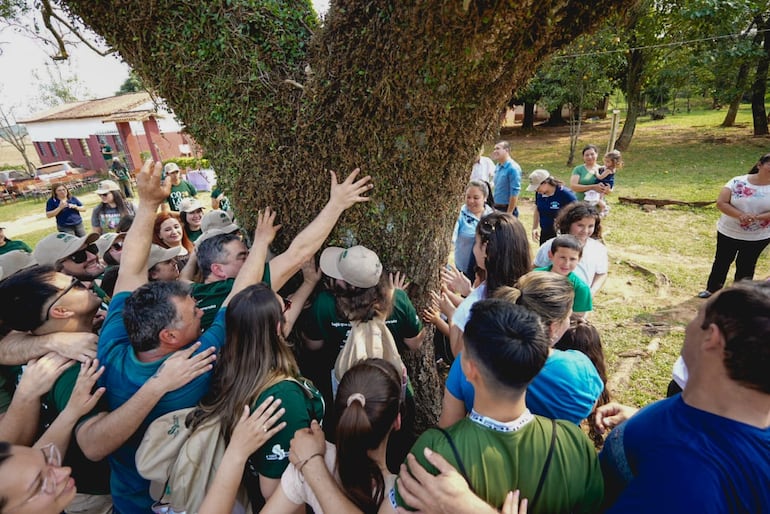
[565,253]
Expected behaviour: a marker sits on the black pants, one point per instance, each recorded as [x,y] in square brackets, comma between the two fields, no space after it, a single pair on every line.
[504,207]
[745,255]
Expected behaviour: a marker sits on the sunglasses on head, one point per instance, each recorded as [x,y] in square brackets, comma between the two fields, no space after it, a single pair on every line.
[80,256]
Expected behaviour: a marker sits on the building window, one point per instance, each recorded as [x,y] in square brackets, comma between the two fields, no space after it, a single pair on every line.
[84,147]
[52,147]
[119,144]
[67,147]
[102,140]
[40,148]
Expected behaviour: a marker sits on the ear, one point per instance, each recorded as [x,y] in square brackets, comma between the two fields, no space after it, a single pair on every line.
[167,336]
[550,254]
[60,312]
[713,339]
[469,368]
[216,270]
[397,422]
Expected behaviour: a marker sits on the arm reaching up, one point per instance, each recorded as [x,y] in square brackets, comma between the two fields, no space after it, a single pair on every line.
[343,195]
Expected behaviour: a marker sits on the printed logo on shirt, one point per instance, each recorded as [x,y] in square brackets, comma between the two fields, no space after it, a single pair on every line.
[278,453]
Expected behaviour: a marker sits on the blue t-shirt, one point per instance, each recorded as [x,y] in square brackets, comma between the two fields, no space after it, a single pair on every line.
[566,388]
[683,459]
[548,206]
[67,217]
[507,181]
[465,236]
[123,375]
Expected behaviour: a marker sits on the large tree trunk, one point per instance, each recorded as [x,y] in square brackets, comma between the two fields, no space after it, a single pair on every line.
[404,90]
[758,89]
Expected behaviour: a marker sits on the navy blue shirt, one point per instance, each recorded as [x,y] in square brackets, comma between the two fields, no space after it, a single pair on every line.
[548,206]
[67,217]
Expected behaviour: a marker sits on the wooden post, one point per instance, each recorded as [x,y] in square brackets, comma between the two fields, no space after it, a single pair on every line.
[613,129]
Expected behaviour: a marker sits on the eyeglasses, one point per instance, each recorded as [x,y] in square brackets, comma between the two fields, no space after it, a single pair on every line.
[80,256]
[117,246]
[104,194]
[74,284]
[48,478]
[172,173]
[286,304]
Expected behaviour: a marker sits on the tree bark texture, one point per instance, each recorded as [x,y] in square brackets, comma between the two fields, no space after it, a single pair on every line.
[759,87]
[735,102]
[407,91]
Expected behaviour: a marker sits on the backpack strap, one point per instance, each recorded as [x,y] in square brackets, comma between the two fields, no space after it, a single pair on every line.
[456,453]
[546,465]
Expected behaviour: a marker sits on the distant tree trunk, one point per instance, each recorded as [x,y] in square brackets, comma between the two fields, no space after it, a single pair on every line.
[276,100]
[529,116]
[740,89]
[634,98]
[759,88]
[555,118]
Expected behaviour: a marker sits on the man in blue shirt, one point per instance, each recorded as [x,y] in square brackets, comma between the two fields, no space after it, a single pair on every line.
[706,449]
[507,179]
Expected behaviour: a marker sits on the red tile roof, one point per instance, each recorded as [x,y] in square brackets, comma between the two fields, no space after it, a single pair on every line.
[98,108]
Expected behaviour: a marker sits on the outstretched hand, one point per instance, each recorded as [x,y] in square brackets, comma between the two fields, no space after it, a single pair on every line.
[182,367]
[149,186]
[397,281]
[82,400]
[350,191]
[252,431]
[455,280]
[266,227]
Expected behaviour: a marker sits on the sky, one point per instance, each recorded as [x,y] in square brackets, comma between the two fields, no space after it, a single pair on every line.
[22,55]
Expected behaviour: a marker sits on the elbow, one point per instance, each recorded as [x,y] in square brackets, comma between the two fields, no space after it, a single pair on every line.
[414,343]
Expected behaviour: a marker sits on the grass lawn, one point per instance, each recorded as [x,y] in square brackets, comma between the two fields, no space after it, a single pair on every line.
[659,260]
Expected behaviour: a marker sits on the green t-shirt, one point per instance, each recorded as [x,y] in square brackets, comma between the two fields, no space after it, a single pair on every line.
[585,178]
[209,297]
[10,246]
[224,202]
[91,477]
[583,301]
[303,404]
[179,192]
[325,324]
[499,461]
[193,235]
[9,377]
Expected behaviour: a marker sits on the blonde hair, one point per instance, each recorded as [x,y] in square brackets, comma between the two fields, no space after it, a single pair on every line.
[547,294]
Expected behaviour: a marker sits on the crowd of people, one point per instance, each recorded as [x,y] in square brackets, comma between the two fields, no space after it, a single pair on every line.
[285,374]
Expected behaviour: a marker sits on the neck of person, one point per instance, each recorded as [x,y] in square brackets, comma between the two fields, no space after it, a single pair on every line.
[500,407]
[74,324]
[153,355]
[714,392]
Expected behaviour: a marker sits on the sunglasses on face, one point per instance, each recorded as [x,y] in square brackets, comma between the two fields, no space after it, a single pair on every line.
[75,284]
[286,304]
[117,246]
[80,256]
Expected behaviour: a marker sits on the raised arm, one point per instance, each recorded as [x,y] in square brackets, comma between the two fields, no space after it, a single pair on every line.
[136,247]
[343,195]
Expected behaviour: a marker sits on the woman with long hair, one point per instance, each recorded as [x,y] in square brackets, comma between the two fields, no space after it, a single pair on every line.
[168,232]
[255,363]
[107,215]
[368,406]
[66,208]
[568,385]
[583,221]
[501,249]
[191,214]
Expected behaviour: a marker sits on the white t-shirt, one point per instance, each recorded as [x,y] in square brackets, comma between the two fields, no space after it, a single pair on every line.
[297,491]
[463,311]
[750,199]
[483,170]
[593,262]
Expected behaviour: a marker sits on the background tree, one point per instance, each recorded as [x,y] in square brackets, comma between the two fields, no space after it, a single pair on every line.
[133,84]
[405,90]
[9,131]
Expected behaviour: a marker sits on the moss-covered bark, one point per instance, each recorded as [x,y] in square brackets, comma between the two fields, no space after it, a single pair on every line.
[405,90]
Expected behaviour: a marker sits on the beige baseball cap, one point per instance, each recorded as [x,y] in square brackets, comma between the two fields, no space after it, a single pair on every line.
[357,265]
[13,261]
[220,220]
[536,178]
[160,254]
[55,247]
[105,186]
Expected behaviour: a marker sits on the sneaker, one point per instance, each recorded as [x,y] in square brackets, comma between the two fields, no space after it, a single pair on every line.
[704,294]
